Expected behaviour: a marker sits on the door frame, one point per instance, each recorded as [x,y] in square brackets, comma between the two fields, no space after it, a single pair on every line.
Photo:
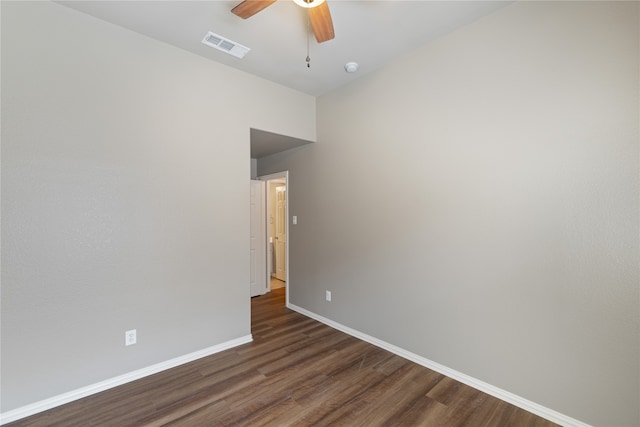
[267,178]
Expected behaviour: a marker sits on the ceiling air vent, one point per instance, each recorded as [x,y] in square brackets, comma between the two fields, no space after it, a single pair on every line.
[225,45]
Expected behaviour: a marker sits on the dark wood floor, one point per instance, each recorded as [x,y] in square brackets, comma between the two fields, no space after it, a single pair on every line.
[296,372]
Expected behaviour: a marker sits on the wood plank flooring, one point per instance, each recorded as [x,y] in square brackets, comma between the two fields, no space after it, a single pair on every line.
[296,372]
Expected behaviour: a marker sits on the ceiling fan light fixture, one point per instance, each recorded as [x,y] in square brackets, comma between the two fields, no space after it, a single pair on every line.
[308,3]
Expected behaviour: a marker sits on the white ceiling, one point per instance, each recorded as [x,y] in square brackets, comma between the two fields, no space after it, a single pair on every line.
[370,33]
[264,143]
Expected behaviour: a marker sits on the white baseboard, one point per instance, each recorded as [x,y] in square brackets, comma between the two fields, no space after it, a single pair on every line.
[43,405]
[508,397]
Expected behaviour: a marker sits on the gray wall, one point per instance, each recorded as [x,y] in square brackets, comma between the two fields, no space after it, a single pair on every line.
[125,202]
[476,203]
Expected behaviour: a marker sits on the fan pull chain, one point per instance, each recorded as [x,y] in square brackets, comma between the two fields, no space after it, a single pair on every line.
[308,29]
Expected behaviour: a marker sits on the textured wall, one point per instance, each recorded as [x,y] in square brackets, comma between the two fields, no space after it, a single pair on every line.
[125,198]
[476,203]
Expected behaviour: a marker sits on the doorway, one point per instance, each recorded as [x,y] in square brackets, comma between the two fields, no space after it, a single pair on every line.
[277,236]
[276,220]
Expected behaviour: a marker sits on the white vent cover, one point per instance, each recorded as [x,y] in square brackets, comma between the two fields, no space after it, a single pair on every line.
[225,45]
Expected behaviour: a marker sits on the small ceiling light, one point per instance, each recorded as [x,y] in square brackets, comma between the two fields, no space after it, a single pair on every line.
[308,3]
[351,67]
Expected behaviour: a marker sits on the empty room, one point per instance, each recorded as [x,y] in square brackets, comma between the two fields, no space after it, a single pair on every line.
[458,235]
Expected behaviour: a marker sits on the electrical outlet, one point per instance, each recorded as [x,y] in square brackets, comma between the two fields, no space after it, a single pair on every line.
[327,295]
[130,337]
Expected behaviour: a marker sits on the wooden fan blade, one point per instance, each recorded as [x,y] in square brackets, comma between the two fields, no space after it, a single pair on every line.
[248,8]
[321,22]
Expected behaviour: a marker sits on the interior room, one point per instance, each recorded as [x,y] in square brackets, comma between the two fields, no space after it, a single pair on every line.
[276,224]
[462,190]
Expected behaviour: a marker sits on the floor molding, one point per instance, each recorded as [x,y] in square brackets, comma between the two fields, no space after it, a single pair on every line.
[43,405]
[508,397]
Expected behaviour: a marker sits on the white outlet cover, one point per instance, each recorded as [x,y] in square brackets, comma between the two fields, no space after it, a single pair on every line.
[130,337]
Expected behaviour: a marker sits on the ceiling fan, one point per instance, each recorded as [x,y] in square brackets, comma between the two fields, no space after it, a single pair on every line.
[319,15]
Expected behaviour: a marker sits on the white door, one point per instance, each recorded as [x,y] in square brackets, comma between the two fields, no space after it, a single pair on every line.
[280,241]
[258,274]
